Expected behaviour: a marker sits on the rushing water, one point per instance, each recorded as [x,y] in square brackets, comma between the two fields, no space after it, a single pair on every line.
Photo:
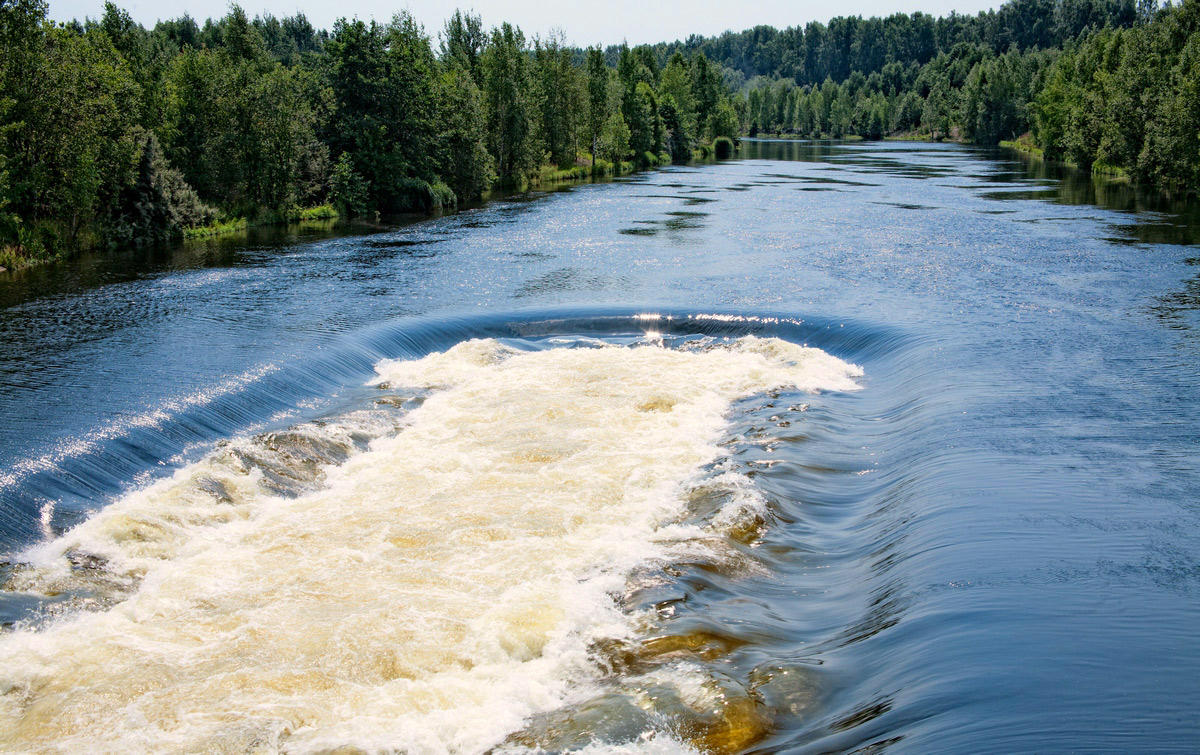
[830,447]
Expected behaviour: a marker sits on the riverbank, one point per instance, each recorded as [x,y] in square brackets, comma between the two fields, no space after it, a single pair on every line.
[13,261]
[324,212]
[1025,145]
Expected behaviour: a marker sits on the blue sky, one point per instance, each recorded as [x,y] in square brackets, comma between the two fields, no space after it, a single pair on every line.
[585,23]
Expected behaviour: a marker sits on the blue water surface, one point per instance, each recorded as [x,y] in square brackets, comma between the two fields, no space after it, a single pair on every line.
[993,547]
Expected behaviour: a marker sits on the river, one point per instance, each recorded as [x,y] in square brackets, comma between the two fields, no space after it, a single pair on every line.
[828,448]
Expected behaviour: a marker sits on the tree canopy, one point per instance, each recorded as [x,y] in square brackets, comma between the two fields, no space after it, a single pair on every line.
[114,133]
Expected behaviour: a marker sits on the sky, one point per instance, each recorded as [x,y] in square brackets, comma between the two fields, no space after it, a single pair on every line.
[584,23]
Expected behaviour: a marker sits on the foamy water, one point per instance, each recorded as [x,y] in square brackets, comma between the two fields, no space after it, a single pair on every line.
[424,576]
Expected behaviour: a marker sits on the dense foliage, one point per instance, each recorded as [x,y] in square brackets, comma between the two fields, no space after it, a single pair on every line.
[113,133]
[1104,84]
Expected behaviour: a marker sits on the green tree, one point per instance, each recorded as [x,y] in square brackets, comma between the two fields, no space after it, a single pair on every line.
[507,92]
[1170,155]
[347,189]
[561,98]
[357,71]
[158,204]
[21,52]
[467,165]
[992,102]
[614,139]
[706,91]
[463,41]
[640,118]
[597,97]
[384,82]
[938,114]
[676,82]
[677,140]
[75,148]
[193,119]
[290,158]
[724,122]
[908,113]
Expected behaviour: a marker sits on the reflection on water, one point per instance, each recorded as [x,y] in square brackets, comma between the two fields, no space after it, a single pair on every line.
[1179,309]
[990,547]
[676,221]
[569,279]
[1024,178]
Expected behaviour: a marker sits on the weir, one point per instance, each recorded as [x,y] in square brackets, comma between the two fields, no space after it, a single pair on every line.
[455,550]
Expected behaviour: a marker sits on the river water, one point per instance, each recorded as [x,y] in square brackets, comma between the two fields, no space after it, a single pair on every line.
[828,448]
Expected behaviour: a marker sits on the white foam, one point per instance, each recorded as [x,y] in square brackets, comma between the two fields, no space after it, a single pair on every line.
[433,593]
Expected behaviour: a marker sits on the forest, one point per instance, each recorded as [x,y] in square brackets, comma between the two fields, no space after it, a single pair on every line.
[1103,84]
[114,134]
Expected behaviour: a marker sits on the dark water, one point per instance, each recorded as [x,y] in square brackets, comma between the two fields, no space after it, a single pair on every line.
[993,547]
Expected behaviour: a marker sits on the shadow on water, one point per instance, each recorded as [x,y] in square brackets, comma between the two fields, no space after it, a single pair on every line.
[104,267]
[1180,310]
[1156,217]
[399,243]
[854,157]
[1161,218]
[570,279]
[676,222]
[250,246]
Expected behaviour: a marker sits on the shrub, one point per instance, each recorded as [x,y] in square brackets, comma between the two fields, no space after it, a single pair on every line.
[415,195]
[550,174]
[228,225]
[443,196]
[320,212]
[158,204]
[602,168]
[347,189]
[723,147]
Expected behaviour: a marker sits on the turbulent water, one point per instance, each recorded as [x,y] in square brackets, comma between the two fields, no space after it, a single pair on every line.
[829,448]
[434,590]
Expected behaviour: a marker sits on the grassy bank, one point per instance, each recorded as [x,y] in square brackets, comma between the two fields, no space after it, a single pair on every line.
[323,212]
[1024,143]
[909,136]
[216,229]
[585,168]
[13,259]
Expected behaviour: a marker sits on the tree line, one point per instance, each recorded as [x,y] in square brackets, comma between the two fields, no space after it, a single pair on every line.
[816,51]
[1104,84]
[112,133]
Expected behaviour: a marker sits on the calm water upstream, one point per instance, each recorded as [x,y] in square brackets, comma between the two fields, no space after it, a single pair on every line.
[876,447]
